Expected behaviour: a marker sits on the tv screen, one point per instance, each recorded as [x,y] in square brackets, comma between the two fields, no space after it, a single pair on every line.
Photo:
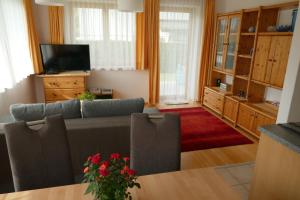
[60,58]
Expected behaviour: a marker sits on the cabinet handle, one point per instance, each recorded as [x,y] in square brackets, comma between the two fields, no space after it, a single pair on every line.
[274,60]
[54,94]
[218,99]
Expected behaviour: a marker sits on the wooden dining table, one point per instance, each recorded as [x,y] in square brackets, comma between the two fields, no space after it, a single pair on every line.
[198,184]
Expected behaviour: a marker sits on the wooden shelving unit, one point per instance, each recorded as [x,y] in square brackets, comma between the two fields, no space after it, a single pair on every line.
[254,68]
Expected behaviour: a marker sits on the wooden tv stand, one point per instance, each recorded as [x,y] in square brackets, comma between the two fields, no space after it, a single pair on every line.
[64,86]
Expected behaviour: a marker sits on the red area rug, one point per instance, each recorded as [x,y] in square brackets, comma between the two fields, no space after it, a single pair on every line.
[202,130]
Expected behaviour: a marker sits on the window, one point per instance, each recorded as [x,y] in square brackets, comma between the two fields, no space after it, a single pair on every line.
[110,33]
[89,31]
[180,36]
[15,60]
[174,36]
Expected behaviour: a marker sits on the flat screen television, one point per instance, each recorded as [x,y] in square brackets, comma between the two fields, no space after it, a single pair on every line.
[58,58]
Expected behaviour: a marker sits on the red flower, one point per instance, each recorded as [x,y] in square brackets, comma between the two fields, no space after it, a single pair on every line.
[106,163]
[102,167]
[96,159]
[103,172]
[114,156]
[86,170]
[126,159]
[124,170]
[131,172]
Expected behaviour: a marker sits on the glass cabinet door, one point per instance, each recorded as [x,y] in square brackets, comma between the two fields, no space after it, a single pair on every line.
[221,36]
[231,44]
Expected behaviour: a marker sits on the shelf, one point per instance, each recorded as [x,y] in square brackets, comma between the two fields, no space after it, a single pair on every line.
[217,89]
[266,84]
[276,33]
[222,72]
[243,77]
[238,98]
[248,34]
[245,56]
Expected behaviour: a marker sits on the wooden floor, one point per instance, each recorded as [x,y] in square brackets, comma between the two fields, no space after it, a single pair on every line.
[216,156]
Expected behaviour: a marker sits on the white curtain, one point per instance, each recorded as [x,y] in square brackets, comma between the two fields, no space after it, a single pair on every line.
[110,33]
[181,26]
[15,60]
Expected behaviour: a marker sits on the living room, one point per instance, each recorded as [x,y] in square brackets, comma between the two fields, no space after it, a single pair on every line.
[212,86]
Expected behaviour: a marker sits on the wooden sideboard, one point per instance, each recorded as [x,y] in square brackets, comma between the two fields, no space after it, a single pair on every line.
[64,86]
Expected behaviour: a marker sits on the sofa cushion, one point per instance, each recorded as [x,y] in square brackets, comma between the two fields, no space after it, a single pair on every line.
[28,112]
[69,109]
[31,112]
[109,108]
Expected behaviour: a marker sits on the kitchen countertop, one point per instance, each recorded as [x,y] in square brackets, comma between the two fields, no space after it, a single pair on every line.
[283,135]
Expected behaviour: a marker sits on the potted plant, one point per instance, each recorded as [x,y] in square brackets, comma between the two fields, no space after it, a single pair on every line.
[109,179]
[87,96]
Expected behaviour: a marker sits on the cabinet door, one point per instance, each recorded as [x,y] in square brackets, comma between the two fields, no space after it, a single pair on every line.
[230,109]
[245,117]
[261,58]
[261,120]
[222,23]
[231,44]
[280,59]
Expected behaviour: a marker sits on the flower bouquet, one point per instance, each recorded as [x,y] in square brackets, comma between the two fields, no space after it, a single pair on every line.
[109,179]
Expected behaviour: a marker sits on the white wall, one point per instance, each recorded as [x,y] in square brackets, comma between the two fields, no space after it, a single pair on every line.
[126,84]
[23,92]
[289,110]
[236,5]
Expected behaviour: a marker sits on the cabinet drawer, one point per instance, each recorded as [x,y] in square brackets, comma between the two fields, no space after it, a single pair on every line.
[62,94]
[64,82]
[230,109]
[213,100]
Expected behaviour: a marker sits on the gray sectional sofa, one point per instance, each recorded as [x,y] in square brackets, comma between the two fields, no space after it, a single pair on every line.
[98,126]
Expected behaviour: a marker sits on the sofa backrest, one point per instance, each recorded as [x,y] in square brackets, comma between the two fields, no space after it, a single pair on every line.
[110,108]
[69,109]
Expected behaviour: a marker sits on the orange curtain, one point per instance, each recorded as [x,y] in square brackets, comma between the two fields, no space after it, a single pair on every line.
[151,49]
[208,38]
[33,38]
[56,24]
[140,41]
